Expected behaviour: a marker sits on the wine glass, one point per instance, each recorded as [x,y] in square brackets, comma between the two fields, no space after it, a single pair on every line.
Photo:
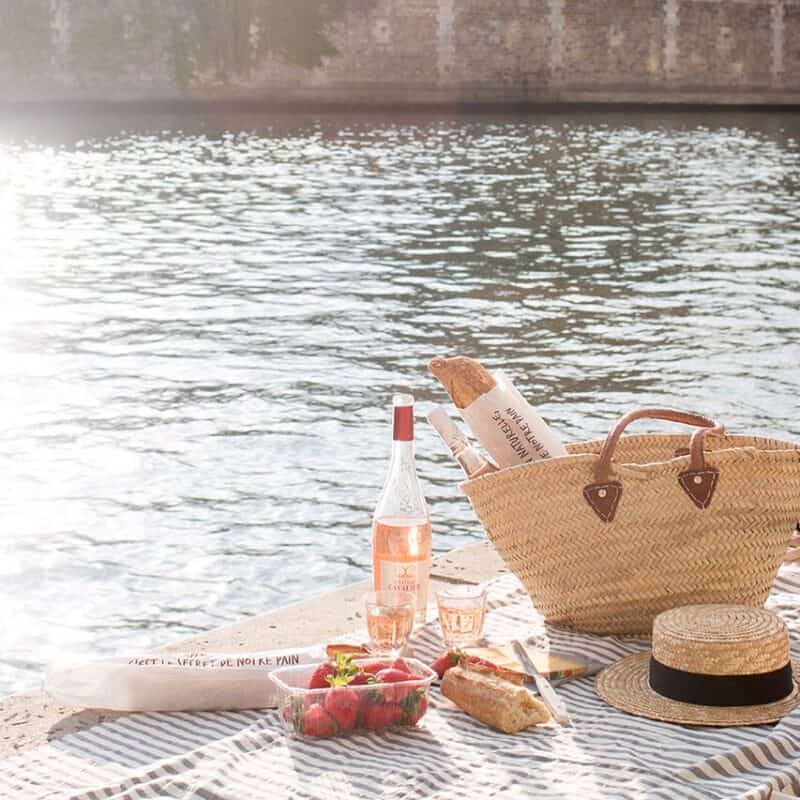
[390,619]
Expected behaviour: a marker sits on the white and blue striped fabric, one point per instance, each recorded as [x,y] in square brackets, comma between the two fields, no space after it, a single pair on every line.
[606,754]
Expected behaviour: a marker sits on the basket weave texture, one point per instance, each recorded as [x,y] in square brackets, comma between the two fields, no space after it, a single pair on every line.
[660,550]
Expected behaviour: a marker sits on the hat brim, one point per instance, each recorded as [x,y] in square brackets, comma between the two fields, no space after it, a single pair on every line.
[625,684]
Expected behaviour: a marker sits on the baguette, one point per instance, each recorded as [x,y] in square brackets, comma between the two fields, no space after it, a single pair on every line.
[464,378]
[355,650]
[492,700]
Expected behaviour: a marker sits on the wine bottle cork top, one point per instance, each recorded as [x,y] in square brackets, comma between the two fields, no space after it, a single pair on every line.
[403,418]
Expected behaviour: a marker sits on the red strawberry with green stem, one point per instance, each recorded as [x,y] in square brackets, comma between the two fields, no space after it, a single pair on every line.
[337,673]
[345,669]
[343,704]
[374,667]
[483,662]
[400,664]
[452,658]
[319,678]
[397,693]
[362,679]
[446,660]
[414,706]
[392,675]
[375,717]
[318,722]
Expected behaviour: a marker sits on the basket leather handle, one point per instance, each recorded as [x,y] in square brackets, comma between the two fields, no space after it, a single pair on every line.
[699,481]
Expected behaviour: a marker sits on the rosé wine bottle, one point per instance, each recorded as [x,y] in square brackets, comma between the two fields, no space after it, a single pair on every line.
[401,527]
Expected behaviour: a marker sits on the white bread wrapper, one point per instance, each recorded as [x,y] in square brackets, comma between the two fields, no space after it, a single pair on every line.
[179,682]
[510,430]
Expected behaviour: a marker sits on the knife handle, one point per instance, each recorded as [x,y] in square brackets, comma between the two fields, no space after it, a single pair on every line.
[553,701]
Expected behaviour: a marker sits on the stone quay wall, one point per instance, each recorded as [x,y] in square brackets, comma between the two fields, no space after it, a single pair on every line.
[402,52]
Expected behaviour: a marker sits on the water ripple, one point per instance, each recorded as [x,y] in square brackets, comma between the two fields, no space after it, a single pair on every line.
[204,318]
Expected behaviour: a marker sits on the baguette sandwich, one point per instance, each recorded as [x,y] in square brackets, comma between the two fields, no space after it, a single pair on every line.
[493,700]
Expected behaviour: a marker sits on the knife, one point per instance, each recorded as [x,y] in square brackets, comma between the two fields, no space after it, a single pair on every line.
[555,705]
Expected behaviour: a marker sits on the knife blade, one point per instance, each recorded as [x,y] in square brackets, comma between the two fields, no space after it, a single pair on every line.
[555,705]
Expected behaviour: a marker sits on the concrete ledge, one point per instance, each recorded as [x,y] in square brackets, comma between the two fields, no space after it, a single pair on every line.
[31,719]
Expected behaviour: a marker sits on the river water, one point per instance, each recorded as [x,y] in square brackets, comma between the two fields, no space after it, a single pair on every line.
[204,317]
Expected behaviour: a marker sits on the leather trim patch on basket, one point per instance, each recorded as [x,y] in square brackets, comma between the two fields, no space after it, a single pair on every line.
[699,484]
[603,498]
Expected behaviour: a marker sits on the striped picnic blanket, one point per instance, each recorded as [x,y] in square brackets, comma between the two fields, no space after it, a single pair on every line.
[607,754]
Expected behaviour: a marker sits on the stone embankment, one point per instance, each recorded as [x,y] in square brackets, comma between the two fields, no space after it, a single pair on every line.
[391,53]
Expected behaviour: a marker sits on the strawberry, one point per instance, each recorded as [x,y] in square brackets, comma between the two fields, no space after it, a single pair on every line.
[453,657]
[318,722]
[361,679]
[319,678]
[395,694]
[345,670]
[400,664]
[375,695]
[414,706]
[375,717]
[374,667]
[295,708]
[342,704]
[392,675]
[483,662]
[337,673]
[422,707]
[446,660]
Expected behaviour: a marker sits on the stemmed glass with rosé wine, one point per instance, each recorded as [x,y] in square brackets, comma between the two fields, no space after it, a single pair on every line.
[390,619]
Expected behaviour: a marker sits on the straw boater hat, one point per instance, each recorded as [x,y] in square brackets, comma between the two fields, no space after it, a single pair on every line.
[710,665]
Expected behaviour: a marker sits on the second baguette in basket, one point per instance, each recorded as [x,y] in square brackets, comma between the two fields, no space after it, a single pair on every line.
[499,416]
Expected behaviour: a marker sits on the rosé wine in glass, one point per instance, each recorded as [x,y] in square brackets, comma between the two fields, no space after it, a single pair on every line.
[390,620]
[461,613]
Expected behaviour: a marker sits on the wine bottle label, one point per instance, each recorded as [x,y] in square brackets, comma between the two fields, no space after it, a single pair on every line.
[510,430]
[407,576]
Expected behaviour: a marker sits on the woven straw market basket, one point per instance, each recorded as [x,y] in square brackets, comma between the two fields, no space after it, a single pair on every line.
[621,529]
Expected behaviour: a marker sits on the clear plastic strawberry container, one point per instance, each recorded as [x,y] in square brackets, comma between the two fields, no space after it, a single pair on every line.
[341,710]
